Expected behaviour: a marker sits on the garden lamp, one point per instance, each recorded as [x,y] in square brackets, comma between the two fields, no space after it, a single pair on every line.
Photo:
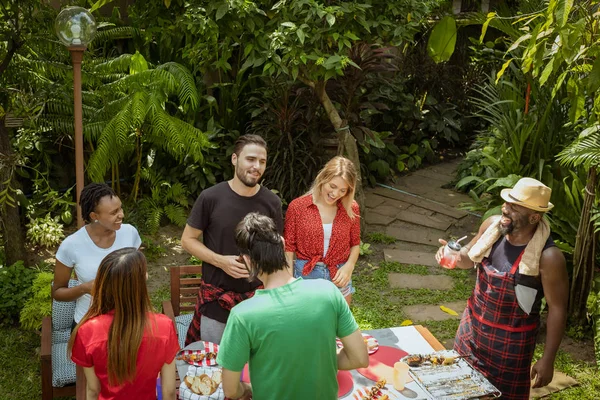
[76,27]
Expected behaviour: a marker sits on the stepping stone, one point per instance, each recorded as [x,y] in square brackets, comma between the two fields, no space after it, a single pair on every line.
[421,202]
[407,246]
[417,184]
[423,220]
[410,257]
[424,211]
[373,218]
[415,233]
[431,312]
[391,208]
[414,281]
[448,197]
[434,175]
[372,200]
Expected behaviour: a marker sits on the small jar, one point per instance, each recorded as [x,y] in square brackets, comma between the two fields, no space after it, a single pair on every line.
[451,254]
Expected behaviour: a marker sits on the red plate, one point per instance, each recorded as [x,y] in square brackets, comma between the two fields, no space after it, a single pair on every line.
[372,343]
[344,378]
[381,364]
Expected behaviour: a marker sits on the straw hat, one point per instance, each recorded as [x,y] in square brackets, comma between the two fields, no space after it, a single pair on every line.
[529,193]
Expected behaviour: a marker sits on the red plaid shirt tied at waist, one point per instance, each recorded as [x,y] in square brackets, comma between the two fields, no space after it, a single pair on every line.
[304,234]
[207,294]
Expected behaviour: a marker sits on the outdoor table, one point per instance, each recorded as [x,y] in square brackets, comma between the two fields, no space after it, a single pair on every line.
[411,339]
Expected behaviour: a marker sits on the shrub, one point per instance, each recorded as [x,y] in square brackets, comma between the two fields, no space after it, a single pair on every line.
[46,232]
[39,304]
[15,288]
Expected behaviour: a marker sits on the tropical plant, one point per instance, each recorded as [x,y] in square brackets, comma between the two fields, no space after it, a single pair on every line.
[593,307]
[21,24]
[283,115]
[39,305]
[137,115]
[561,50]
[15,281]
[45,231]
[167,199]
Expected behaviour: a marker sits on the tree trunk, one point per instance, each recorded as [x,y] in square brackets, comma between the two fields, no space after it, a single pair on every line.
[10,222]
[347,143]
[138,170]
[584,255]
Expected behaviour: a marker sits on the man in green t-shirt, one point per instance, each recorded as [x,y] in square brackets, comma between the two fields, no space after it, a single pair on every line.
[287,330]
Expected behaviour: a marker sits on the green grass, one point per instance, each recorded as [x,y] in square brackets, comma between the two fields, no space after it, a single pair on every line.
[159,295]
[376,305]
[20,364]
[380,237]
[586,374]
[443,330]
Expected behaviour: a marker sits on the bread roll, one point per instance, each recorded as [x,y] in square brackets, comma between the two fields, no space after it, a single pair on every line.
[189,381]
[196,386]
[206,385]
[217,377]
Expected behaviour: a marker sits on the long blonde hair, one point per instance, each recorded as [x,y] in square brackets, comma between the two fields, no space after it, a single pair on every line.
[338,167]
[120,286]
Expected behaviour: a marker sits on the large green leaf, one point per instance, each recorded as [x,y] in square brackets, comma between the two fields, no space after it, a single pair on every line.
[563,9]
[138,63]
[594,77]
[99,4]
[442,40]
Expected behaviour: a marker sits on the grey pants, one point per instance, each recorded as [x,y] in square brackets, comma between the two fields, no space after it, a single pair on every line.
[211,330]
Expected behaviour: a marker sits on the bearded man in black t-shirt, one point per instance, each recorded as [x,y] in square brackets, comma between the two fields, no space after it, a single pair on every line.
[215,215]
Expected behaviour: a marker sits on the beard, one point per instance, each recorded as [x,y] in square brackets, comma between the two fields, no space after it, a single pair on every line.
[245,179]
[517,224]
[506,230]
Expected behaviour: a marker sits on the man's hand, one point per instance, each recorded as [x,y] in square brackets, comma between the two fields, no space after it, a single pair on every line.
[343,275]
[542,371]
[233,267]
[440,252]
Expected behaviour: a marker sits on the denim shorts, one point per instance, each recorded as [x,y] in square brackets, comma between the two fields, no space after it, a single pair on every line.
[320,271]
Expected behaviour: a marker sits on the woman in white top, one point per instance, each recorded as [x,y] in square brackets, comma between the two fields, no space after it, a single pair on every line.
[83,251]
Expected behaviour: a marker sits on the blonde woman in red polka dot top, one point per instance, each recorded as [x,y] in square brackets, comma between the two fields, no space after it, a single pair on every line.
[322,228]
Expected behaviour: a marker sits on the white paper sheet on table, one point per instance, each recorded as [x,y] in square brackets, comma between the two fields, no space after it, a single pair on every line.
[411,340]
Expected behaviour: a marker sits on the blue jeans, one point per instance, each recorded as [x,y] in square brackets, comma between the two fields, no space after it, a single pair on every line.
[321,272]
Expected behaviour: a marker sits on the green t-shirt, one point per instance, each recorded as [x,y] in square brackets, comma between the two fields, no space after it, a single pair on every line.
[287,334]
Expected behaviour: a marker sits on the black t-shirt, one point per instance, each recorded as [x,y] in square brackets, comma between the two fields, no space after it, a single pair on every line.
[504,254]
[216,213]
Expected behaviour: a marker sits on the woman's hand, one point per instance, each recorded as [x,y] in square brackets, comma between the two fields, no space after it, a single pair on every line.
[343,275]
[87,287]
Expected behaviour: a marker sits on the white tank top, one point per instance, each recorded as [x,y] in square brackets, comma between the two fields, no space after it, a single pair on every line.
[327,228]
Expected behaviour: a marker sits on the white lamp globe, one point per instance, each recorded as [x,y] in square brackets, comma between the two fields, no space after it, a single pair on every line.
[75,26]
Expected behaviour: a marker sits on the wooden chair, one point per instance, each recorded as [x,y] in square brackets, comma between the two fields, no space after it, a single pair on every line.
[59,373]
[185,285]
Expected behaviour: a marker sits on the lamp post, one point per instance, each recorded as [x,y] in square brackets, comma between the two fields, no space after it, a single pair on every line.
[76,27]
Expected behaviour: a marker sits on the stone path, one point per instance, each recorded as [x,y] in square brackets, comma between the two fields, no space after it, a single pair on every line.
[417,210]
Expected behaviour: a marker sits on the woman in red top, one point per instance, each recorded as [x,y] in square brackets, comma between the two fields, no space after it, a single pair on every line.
[323,227]
[120,343]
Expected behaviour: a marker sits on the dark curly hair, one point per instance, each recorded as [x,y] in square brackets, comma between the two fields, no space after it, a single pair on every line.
[90,197]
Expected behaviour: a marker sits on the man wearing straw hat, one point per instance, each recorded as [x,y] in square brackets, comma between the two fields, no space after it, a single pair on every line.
[517,265]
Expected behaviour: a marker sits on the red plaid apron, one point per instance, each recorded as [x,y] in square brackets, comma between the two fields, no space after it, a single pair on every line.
[495,335]
[208,293]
